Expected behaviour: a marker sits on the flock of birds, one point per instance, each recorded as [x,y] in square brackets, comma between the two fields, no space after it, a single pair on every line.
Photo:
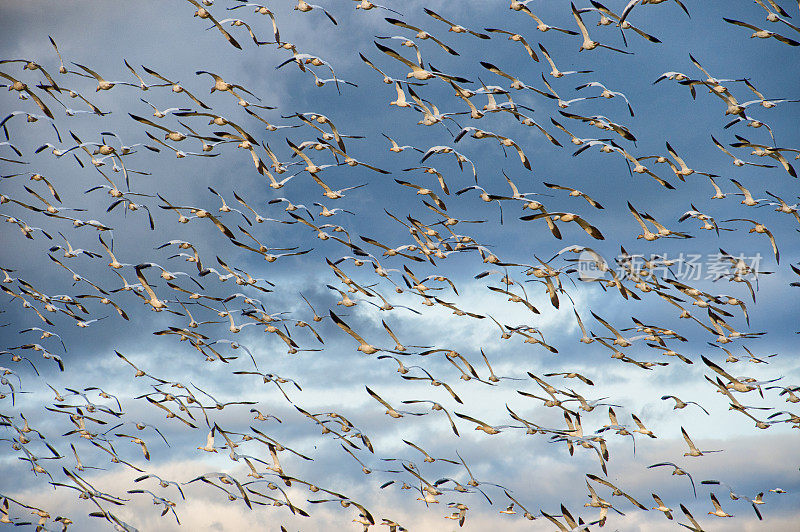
[221,297]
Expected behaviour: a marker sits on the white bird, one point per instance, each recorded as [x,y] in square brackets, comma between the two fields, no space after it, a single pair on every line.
[305,7]
[588,43]
[607,93]
[629,7]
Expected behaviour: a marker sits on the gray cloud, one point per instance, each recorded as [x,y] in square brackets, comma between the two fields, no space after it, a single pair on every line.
[540,474]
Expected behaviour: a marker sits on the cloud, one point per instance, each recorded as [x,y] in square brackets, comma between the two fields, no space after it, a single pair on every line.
[330,378]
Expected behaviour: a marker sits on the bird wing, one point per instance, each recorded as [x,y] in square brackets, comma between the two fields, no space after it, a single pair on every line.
[378,398]
[581,25]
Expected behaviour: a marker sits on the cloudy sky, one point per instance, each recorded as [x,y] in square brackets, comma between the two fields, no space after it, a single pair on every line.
[195,346]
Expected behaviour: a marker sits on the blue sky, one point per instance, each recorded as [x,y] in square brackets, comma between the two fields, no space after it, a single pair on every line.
[540,474]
